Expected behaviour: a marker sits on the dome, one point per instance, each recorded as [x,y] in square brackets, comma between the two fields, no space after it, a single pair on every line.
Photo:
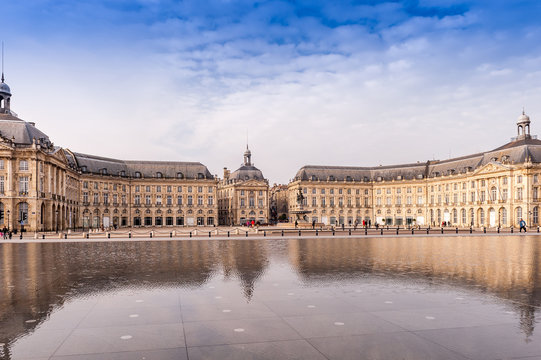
[247,173]
[4,88]
[523,118]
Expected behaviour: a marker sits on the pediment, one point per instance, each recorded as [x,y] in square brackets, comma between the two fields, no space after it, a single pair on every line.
[491,167]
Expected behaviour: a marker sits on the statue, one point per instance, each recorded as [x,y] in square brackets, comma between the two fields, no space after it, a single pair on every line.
[300,197]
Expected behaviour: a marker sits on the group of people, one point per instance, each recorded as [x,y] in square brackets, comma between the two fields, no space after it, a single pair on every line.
[6,233]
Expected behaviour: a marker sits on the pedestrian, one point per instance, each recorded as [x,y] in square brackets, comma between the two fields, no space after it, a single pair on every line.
[296,224]
[313,224]
[522,225]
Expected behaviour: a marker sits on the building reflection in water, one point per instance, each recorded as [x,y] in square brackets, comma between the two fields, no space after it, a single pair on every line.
[38,278]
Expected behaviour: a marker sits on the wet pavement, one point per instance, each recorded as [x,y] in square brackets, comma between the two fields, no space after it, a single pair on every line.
[311,298]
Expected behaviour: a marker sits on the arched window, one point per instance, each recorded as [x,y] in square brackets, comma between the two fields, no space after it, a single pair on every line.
[481,217]
[455,216]
[504,216]
[200,176]
[463,216]
[519,214]
[331,178]
[180,175]
[23,213]
[472,217]
[159,175]
[535,215]
[439,216]
[137,174]
[314,178]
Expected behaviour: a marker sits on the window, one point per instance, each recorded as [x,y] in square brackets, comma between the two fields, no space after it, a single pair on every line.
[200,200]
[463,215]
[419,200]
[85,198]
[169,200]
[482,196]
[314,201]
[23,185]
[147,199]
[96,199]
[493,194]
[95,185]
[472,197]
[387,201]
[399,200]
[519,193]
[519,179]
[158,188]
[504,194]
[322,191]
[159,175]
[23,165]
[137,199]
[147,188]
[179,200]
[180,175]
[534,194]
[519,213]
[23,213]
[137,188]
[169,189]
[242,193]
[123,199]
[504,181]
[535,215]
[210,190]
[504,216]
[137,174]
[535,179]
[105,199]
[210,200]
[85,184]
[408,200]
[158,200]
[179,189]
[1,164]
[190,200]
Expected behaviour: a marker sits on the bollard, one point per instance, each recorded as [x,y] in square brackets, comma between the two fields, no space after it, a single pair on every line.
[498,229]
[471,229]
[228,234]
[264,233]
[332,232]
[170,234]
[427,230]
[299,233]
[210,233]
[349,232]
[412,231]
[484,229]
[456,230]
[151,234]
[246,233]
[190,234]
[129,235]
[382,230]
[108,235]
[397,230]
[442,230]
[366,231]
[317,234]
[43,236]
[538,229]
[511,229]
[21,237]
[282,232]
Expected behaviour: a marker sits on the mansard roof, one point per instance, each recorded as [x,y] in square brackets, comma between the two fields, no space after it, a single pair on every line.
[147,169]
[515,152]
[20,131]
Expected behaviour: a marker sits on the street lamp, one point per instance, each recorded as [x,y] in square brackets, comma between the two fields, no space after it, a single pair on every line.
[8,219]
[57,221]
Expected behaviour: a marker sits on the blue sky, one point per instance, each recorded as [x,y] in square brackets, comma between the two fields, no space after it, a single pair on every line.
[311,82]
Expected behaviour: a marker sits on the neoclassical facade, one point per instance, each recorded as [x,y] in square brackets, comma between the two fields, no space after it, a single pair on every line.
[44,187]
[243,196]
[493,188]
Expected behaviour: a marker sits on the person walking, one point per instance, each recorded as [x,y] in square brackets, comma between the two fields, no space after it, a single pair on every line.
[522,225]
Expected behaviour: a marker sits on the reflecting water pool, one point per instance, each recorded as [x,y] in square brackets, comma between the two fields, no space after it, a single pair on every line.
[309,298]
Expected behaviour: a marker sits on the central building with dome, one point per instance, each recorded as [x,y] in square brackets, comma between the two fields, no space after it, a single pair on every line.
[243,195]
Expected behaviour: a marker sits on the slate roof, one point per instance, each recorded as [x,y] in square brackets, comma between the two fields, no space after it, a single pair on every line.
[247,172]
[149,169]
[514,152]
[22,132]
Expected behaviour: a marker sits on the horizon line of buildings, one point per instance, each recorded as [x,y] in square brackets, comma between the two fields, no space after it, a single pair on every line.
[44,187]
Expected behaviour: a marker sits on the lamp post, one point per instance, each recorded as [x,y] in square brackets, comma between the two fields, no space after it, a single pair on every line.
[57,221]
[8,219]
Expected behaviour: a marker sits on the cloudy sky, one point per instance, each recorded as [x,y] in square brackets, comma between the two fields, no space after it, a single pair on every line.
[309,82]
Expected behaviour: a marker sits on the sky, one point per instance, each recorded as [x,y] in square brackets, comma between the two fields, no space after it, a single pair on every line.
[346,83]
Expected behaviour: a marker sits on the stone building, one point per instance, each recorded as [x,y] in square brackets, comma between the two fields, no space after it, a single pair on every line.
[45,187]
[243,195]
[278,202]
[493,188]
